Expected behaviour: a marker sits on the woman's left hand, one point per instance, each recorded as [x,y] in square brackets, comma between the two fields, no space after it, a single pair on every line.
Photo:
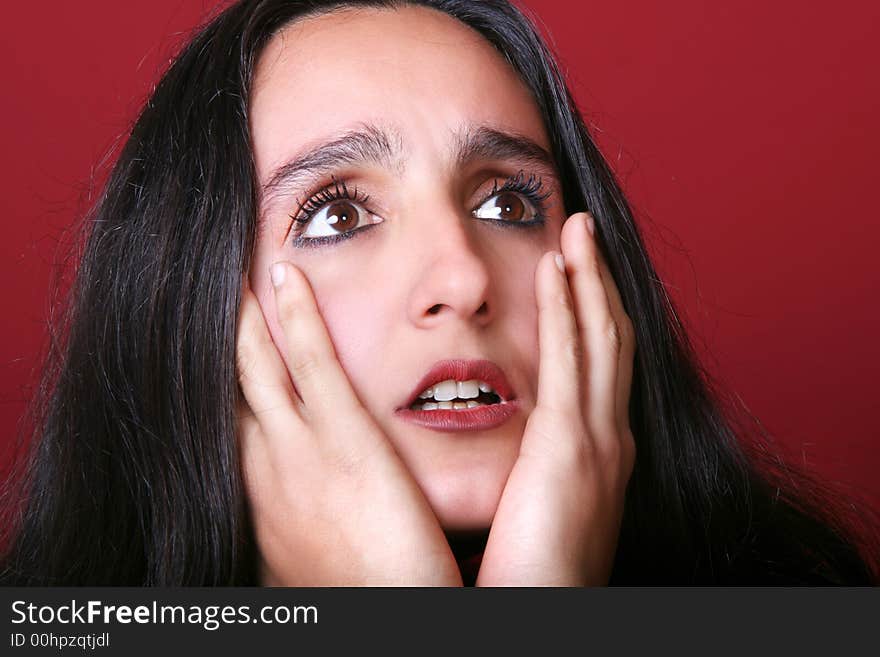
[559,517]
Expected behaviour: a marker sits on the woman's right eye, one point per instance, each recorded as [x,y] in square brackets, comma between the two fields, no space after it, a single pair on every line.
[337,217]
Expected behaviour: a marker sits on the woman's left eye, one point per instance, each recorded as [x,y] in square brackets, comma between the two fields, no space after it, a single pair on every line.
[338,217]
[507,206]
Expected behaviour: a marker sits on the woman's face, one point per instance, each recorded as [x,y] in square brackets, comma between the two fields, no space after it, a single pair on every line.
[405,170]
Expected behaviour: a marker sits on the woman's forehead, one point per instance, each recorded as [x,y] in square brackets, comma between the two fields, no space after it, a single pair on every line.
[425,73]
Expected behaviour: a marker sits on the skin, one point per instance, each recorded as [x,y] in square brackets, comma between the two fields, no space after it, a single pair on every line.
[331,340]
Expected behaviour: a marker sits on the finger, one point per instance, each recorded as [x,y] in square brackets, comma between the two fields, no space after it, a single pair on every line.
[627,336]
[599,332]
[262,376]
[560,358]
[627,344]
[311,359]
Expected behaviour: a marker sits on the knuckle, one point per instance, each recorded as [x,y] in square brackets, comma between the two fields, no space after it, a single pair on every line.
[246,369]
[614,336]
[305,365]
[244,359]
[571,352]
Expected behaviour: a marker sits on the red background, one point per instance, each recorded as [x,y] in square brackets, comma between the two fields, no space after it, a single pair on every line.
[746,137]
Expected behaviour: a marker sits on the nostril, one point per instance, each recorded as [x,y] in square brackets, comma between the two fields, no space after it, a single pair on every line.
[437,307]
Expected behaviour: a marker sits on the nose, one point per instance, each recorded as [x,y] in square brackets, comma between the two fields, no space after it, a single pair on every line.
[452,279]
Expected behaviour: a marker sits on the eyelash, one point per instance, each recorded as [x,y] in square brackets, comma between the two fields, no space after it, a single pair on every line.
[307,210]
[531,188]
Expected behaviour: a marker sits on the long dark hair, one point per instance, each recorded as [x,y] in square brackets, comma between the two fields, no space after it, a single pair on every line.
[134,476]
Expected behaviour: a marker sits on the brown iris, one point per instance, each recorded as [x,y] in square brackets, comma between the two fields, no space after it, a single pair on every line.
[511,206]
[347,216]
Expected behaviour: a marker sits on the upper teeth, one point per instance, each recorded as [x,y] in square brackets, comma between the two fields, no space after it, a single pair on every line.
[451,389]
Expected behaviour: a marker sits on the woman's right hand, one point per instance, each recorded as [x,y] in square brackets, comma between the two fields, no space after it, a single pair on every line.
[331,502]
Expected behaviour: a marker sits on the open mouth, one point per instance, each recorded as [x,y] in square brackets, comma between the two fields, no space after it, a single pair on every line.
[460,395]
[456,395]
[460,385]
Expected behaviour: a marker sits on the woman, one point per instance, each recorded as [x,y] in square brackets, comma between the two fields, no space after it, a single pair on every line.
[332,221]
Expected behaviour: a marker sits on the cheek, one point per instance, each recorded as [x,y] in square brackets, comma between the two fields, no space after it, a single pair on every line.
[513,263]
[357,315]
[521,326]
[355,321]
[351,314]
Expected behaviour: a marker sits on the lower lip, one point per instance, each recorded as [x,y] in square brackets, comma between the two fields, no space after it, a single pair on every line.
[479,418]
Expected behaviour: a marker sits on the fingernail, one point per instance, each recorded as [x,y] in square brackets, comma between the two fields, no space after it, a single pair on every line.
[591,225]
[560,262]
[277,272]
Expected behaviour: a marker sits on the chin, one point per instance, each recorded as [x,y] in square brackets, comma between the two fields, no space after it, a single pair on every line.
[465,500]
[463,478]
[462,475]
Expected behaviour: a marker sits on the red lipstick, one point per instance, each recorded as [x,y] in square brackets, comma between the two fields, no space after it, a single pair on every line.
[480,418]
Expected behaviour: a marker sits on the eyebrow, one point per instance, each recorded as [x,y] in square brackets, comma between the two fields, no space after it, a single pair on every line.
[362,145]
[384,146]
[485,143]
